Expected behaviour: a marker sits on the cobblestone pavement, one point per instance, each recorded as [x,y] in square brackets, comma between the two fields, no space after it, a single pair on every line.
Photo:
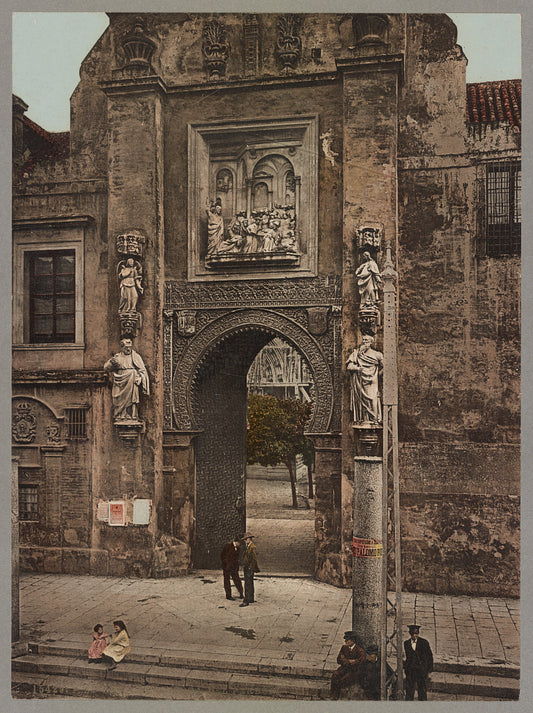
[292,614]
[284,537]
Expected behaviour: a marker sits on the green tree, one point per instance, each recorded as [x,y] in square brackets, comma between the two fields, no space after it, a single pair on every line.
[276,433]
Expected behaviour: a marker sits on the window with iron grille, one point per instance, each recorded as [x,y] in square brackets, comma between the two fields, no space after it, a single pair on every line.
[28,502]
[52,296]
[502,208]
[76,422]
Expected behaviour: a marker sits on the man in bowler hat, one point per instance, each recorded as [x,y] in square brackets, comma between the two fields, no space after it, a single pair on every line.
[350,658]
[249,568]
[230,567]
[418,664]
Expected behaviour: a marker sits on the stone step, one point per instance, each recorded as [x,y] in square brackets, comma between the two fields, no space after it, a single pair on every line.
[158,675]
[269,662]
[496,687]
[287,683]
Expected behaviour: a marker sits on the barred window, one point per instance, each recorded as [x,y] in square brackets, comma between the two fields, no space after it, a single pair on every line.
[503,208]
[52,296]
[76,422]
[28,502]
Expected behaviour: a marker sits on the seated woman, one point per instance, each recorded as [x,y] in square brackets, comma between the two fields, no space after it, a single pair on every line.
[119,645]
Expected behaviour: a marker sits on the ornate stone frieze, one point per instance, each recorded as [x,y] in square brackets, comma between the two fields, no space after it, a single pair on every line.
[215,49]
[267,293]
[289,43]
[24,423]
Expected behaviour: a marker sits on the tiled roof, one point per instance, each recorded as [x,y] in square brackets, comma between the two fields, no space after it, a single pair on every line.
[51,146]
[494,103]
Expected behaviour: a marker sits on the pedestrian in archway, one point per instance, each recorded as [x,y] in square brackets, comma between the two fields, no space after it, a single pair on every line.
[418,664]
[230,567]
[250,568]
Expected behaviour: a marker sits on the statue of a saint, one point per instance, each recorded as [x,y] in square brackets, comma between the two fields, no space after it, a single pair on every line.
[365,365]
[129,375]
[368,280]
[130,276]
[215,227]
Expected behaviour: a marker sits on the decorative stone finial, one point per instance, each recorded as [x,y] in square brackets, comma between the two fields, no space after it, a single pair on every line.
[215,49]
[371,33]
[289,44]
[137,46]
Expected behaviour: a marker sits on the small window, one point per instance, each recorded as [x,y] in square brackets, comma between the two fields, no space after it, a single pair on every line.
[76,422]
[28,502]
[52,296]
[503,208]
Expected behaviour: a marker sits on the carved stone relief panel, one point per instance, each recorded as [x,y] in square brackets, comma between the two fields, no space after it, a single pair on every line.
[253,199]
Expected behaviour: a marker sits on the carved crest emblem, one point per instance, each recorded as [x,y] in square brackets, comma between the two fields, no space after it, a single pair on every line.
[369,235]
[186,322]
[317,319]
[53,432]
[23,428]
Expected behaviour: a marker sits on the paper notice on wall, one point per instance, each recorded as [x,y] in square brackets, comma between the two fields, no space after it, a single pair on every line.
[141,512]
[117,514]
[102,512]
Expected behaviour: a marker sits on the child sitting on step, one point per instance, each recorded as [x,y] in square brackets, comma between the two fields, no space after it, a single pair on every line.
[98,645]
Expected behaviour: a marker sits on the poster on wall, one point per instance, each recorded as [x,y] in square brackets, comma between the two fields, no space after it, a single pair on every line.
[117,512]
[102,512]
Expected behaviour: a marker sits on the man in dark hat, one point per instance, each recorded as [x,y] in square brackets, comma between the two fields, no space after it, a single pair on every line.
[350,658]
[249,568]
[418,664]
[230,567]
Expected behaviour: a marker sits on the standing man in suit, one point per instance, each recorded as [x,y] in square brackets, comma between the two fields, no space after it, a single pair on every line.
[250,568]
[230,567]
[350,658]
[418,665]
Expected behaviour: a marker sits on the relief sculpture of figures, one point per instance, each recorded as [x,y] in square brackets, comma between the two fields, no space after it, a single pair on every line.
[129,377]
[365,365]
[130,276]
[368,281]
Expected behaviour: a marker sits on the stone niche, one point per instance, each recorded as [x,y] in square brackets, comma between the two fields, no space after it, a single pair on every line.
[253,199]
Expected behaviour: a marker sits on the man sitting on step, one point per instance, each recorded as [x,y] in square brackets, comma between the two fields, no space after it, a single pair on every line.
[350,658]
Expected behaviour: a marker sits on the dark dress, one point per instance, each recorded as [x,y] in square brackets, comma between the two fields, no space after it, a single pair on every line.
[230,568]
[249,568]
[350,659]
[417,665]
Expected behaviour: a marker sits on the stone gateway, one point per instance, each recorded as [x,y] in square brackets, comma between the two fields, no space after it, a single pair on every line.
[229,179]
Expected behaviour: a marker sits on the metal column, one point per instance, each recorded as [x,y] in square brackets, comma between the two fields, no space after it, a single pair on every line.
[391,628]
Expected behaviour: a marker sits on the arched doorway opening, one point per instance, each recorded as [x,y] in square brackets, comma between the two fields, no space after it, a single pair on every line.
[284,528]
[215,396]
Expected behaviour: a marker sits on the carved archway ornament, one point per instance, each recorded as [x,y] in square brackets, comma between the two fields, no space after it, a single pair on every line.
[252,320]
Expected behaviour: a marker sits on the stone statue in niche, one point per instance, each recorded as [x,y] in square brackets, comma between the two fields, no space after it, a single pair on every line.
[130,276]
[129,379]
[215,226]
[368,281]
[365,365]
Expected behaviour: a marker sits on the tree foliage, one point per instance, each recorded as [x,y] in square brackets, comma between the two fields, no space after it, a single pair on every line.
[276,432]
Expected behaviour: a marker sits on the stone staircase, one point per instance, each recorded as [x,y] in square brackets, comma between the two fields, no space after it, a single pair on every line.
[42,670]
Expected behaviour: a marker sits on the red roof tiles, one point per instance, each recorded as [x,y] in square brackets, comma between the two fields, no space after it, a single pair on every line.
[495,102]
[45,146]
